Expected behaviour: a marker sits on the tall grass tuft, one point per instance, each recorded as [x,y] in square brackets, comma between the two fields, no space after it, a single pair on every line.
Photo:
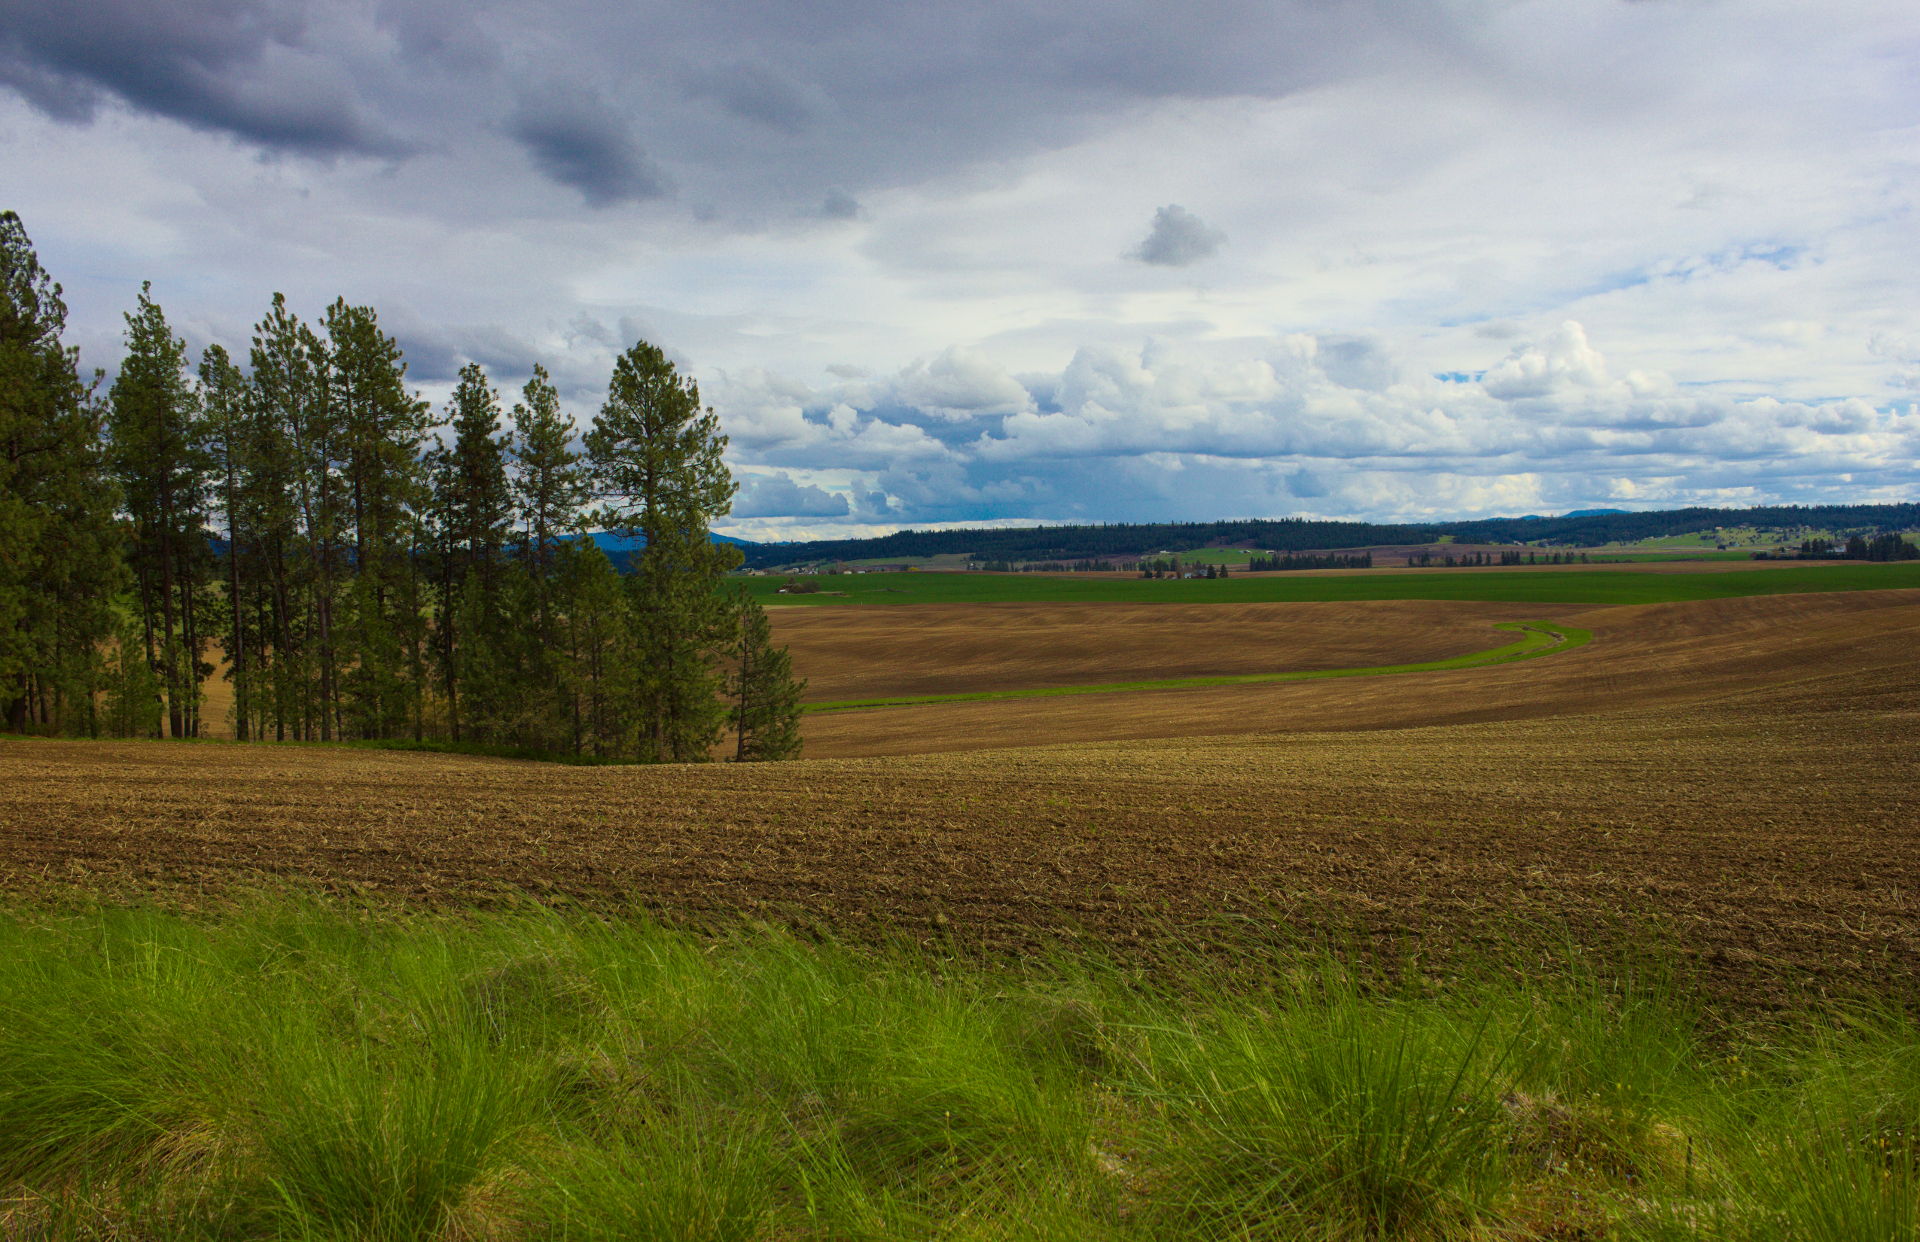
[1320,1111]
[304,1070]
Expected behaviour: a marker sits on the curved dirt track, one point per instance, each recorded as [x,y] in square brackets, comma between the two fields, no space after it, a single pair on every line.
[1645,656]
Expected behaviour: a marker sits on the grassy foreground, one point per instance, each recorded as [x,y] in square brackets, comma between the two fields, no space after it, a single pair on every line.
[306,1071]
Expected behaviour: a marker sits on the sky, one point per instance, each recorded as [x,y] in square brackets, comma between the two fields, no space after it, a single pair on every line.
[977,263]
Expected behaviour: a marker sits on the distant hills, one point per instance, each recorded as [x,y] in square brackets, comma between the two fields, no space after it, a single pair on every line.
[1580,528]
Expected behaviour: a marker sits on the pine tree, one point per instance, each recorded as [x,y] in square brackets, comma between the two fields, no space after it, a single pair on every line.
[550,482]
[657,459]
[59,541]
[298,440]
[473,509]
[595,648]
[549,488]
[764,698]
[225,397]
[160,457]
[382,429]
[283,381]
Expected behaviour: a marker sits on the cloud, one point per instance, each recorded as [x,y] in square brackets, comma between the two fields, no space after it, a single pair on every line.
[1179,239]
[777,495]
[958,384]
[435,353]
[1356,361]
[441,33]
[1307,485]
[1287,426]
[579,141]
[1729,250]
[239,67]
[755,93]
[840,205]
[1563,360]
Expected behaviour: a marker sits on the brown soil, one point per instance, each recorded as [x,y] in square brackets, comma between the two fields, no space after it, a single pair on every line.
[1659,654]
[873,652]
[1735,778]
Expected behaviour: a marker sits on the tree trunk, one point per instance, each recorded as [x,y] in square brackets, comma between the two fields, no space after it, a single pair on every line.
[170,664]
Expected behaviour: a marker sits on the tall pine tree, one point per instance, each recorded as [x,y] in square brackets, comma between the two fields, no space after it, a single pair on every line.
[382,428]
[225,408]
[161,460]
[473,510]
[59,540]
[658,466]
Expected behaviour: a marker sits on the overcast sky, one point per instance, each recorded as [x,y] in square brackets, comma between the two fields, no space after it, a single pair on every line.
[958,261]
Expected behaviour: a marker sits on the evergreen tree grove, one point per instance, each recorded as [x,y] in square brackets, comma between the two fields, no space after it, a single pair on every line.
[297,524]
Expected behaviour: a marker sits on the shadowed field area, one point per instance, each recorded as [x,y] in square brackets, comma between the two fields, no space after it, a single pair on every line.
[1737,776]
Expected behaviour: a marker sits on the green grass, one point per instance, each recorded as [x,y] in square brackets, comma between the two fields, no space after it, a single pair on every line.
[1504,585]
[302,1070]
[1537,638]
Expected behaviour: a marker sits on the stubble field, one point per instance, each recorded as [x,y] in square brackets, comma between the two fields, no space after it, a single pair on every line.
[1734,780]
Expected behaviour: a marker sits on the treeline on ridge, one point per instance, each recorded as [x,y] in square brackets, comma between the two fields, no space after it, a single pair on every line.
[1072,543]
[1122,540]
[366,576]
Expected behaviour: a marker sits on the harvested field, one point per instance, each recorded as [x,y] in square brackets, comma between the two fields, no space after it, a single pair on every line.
[1761,814]
[1643,656]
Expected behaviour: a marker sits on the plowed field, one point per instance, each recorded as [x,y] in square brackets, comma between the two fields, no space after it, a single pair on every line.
[1655,654]
[857,653]
[1737,779]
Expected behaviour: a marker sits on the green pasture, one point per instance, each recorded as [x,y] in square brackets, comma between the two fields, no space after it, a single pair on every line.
[309,1071]
[1536,639]
[1514,585]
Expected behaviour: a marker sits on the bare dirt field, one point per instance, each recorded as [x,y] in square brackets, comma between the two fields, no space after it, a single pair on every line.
[864,652]
[1736,779]
[1648,655]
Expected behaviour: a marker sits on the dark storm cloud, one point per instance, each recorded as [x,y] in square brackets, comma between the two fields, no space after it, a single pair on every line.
[234,66]
[1178,238]
[579,141]
[751,103]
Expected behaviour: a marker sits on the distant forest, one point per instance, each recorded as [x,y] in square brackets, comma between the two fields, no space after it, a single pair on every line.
[1301,535]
